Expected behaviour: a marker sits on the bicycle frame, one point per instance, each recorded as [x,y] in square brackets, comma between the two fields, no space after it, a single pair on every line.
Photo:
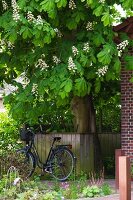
[32,148]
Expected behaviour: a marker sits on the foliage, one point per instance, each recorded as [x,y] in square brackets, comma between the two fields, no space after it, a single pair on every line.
[57,55]
[92,191]
[106,189]
[29,189]
[8,133]
[95,191]
[109,166]
[108,113]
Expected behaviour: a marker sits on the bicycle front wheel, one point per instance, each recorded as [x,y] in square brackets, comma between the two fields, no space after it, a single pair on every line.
[25,163]
[62,164]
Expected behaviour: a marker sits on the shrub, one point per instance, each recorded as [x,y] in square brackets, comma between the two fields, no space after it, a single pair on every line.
[8,133]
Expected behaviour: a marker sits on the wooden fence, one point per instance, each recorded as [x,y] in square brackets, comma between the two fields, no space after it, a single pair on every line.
[82,146]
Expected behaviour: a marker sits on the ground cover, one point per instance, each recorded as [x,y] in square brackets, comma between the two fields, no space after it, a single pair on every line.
[14,188]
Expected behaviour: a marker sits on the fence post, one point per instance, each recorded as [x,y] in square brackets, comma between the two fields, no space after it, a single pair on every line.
[118,153]
[124,178]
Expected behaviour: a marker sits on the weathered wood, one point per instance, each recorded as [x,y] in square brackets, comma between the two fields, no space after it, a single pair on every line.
[82,147]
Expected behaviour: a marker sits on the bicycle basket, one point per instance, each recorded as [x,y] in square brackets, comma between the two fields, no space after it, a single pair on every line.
[26,135]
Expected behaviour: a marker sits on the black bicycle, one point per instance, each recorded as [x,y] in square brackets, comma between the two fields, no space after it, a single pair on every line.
[60,162]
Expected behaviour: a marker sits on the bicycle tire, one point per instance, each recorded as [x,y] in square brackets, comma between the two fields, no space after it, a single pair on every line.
[26,163]
[62,163]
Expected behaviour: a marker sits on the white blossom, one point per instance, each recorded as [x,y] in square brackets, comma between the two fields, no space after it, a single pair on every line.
[9,146]
[56,60]
[75,50]
[30,16]
[4,4]
[102,71]
[39,20]
[72,4]
[15,7]
[34,88]
[42,64]
[23,79]
[89,26]
[101,1]
[122,46]
[10,45]
[2,45]
[58,32]
[71,65]
[86,47]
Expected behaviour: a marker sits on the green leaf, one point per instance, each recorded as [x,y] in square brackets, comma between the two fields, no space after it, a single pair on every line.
[107,19]
[81,87]
[105,55]
[127,4]
[129,62]
[98,39]
[131,80]
[110,76]
[83,60]
[71,24]
[61,3]
[47,39]
[98,11]
[13,36]
[62,94]
[68,86]
[117,65]
[97,86]
[89,2]
[26,32]
[78,15]
[89,88]
[49,7]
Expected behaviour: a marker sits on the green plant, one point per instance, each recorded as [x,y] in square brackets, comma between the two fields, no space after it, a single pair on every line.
[8,134]
[92,191]
[106,190]
[51,196]
[82,180]
[71,192]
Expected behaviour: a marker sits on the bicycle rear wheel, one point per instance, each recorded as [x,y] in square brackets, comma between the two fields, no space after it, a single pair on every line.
[62,164]
[26,163]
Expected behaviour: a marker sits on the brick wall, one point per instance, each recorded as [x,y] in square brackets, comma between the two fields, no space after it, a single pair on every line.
[127,111]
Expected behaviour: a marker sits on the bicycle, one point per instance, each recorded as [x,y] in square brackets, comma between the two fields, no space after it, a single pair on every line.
[60,162]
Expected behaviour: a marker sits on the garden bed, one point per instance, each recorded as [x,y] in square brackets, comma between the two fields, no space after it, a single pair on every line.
[13,187]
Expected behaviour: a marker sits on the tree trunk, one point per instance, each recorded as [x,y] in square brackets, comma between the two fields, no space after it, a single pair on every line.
[80,110]
[85,122]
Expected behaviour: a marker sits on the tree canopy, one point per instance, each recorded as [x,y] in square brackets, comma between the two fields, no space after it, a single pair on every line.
[60,49]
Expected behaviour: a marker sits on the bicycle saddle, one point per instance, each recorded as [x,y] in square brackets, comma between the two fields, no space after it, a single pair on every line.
[57,138]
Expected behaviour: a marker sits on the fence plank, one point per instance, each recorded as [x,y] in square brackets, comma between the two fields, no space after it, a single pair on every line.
[82,147]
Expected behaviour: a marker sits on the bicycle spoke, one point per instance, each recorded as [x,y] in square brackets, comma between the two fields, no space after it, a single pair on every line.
[62,164]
